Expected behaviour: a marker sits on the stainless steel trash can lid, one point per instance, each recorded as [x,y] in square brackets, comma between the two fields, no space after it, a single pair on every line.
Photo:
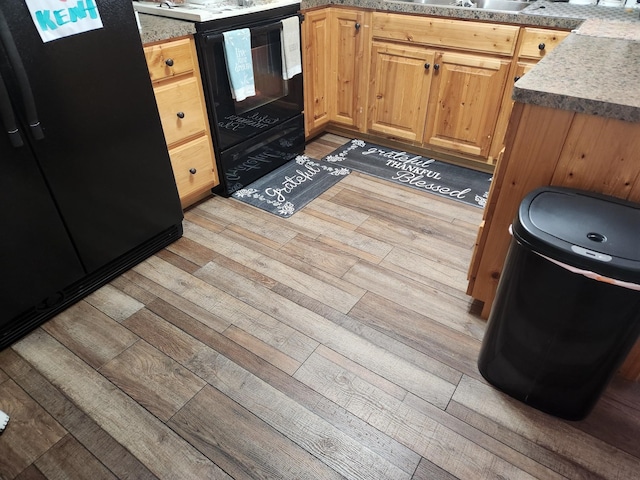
[584,229]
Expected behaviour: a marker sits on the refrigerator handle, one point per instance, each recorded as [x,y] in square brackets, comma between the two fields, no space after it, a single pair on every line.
[8,119]
[23,79]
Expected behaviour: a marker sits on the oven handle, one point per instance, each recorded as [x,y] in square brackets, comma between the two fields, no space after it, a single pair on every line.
[217,37]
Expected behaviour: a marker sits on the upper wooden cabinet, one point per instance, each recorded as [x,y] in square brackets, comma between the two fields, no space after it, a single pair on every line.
[173,67]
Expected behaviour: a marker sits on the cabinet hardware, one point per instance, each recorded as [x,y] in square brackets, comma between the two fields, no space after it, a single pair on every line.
[180,114]
[426,66]
[169,62]
[541,46]
[192,171]
[357,26]
[436,66]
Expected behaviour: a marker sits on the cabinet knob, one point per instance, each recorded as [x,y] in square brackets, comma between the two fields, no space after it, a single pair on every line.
[169,62]
[515,79]
[180,114]
[426,66]
[192,171]
[436,66]
[541,46]
[357,25]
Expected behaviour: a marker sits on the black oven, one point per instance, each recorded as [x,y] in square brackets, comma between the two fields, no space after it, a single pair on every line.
[254,136]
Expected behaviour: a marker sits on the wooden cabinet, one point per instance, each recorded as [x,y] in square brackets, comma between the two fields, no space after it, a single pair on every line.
[538,42]
[173,67]
[317,69]
[399,90]
[445,95]
[350,41]
[465,102]
[336,52]
[365,72]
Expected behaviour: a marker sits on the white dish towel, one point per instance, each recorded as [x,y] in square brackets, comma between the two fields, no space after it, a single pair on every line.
[291,58]
[237,52]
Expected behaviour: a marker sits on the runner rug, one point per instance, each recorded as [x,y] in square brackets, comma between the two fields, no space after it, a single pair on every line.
[291,186]
[426,174]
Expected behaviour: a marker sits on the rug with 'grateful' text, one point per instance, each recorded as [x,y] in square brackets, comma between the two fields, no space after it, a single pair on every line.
[426,174]
[291,186]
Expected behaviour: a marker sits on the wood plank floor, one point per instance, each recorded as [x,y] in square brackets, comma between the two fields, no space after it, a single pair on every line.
[338,343]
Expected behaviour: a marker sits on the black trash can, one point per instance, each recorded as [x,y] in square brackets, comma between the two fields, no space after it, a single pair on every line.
[567,310]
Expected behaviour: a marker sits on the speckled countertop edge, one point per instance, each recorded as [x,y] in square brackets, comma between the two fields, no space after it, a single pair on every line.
[587,74]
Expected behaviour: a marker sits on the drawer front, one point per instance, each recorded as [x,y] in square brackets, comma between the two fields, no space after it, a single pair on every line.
[193,166]
[439,32]
[169,59]
[537,42]
[181,109]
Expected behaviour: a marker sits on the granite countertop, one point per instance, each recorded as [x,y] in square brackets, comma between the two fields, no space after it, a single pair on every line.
[595,70]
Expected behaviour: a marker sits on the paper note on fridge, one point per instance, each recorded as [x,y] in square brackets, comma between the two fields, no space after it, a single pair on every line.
[56,19]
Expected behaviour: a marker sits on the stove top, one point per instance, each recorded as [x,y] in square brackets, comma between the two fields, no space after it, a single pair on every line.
[205,10]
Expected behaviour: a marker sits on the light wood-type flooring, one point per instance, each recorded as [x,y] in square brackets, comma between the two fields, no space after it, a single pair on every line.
[338,343]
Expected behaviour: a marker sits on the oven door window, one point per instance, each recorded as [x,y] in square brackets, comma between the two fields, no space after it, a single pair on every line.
[276,99]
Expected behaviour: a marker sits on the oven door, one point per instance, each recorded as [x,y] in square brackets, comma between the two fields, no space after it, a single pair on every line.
[276,100]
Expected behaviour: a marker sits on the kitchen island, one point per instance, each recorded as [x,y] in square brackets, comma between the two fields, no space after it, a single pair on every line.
[575,123]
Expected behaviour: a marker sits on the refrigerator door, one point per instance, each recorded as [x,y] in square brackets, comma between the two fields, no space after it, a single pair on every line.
[103,152]
[29,220]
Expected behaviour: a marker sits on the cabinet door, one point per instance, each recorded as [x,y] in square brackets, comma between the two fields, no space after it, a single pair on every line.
[465,102]
[316,58]
[349,30]
[399,90]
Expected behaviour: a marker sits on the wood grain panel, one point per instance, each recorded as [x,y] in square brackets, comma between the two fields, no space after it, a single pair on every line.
[30,433]
[469,36]
[588,142]
[160,449]
[104,447]
[68,459]
[242,444]
[554,434]
[411,427]
[114,303]
[422,299]
[90,334]
[152,379]
[179,341]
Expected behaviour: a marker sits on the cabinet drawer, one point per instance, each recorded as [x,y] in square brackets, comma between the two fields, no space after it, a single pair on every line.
[181,109]
[193,166]
[537,42]
[169,59]
[439,32]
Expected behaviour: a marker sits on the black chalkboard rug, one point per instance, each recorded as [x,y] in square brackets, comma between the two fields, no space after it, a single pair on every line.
[426,174]
[291,186]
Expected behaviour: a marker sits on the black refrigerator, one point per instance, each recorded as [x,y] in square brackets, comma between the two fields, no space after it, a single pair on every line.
[86,185]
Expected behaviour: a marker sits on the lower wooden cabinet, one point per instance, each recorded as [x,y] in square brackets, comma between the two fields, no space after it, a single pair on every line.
[173,67]
[438,84]
[465,102]
[399,90]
